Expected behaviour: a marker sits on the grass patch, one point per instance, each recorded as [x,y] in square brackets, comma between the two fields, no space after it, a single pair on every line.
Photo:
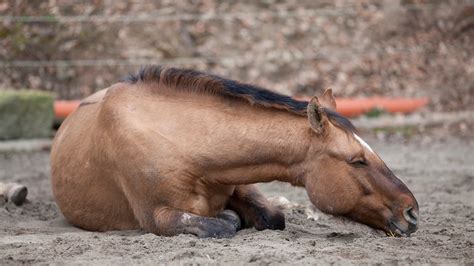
[375,112]
[406,131]
[26,114]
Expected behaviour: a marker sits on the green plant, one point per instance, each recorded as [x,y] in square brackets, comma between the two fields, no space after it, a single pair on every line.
[375,112]
[25,114]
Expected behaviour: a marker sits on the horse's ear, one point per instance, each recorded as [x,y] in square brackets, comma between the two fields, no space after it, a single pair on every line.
[316,115]
[327,100]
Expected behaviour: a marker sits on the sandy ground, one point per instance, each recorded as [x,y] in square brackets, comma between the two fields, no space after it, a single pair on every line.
[440,174]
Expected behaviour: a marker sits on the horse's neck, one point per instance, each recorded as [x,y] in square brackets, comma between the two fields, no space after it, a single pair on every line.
[229,141]
[271,145]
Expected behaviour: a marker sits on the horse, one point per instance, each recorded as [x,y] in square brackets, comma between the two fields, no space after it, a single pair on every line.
[176,151]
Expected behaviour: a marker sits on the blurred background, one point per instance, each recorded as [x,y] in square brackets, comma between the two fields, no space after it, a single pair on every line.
[408,48]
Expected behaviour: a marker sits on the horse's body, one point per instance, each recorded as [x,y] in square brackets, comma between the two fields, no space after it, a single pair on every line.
[170,150]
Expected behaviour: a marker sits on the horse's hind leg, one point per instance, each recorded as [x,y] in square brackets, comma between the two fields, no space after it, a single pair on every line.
[169,222]
[255,209]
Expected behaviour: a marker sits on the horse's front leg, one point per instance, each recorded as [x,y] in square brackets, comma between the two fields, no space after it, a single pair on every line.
[255,210]
[169,221]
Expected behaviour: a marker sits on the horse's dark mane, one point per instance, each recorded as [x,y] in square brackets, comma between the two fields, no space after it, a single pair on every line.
[340,121]
[200,82]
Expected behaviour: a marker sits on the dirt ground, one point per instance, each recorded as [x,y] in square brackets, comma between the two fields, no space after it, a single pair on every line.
[440,174]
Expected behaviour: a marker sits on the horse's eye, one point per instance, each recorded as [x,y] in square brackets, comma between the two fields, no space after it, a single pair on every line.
[358,162]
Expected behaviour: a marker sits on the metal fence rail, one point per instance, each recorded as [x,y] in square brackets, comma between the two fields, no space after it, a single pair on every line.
[163,16]
[285,55]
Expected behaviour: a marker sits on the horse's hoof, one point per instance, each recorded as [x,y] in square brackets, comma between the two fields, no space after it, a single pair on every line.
[17,194]
[270,219]
[232,217]
[217,228]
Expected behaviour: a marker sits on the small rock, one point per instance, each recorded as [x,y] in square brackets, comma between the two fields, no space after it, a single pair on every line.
[13,192]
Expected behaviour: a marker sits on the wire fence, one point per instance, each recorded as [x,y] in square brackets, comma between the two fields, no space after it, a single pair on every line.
[164,61]
[165,16]
[160,17]
[286,55]
[173,17]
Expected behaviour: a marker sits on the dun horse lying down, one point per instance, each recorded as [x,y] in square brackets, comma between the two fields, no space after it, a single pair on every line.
[176,151]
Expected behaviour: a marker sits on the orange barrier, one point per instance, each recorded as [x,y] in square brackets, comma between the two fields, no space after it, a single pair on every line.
[63,108]
[345,106]
[355,107]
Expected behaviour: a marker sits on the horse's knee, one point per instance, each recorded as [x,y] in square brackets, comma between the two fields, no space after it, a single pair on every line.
[272,219]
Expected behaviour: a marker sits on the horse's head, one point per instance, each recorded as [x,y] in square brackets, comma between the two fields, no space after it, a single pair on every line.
[344,176]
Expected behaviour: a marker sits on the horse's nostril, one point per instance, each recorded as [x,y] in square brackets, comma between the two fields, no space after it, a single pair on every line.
[411,215]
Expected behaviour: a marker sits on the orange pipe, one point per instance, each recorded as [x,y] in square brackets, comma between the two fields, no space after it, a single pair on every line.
[63,108]
[345,106]
[355,107]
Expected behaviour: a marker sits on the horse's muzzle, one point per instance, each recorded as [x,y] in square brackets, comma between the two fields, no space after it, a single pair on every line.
[405,226]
